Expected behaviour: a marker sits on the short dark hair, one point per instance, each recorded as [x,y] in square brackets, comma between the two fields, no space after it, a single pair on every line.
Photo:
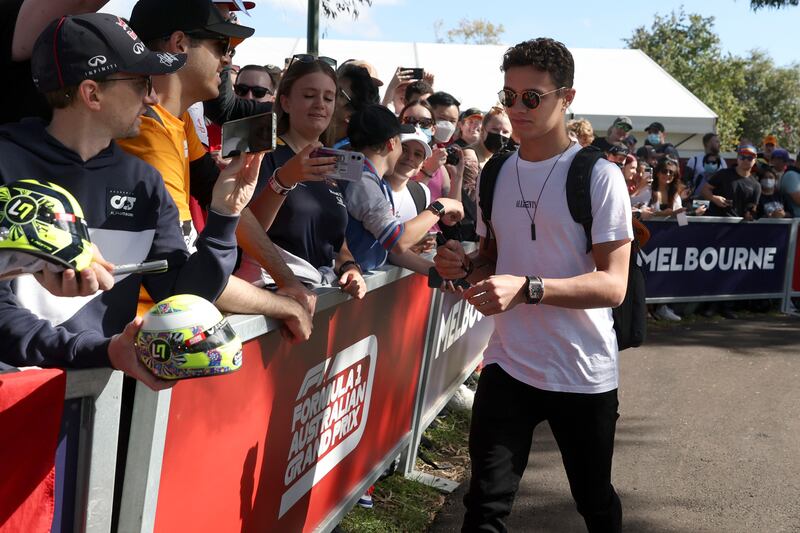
[418,87]
[260,68]
[362,89]
[443,99]
[707,137]
[545,54]
[61,98]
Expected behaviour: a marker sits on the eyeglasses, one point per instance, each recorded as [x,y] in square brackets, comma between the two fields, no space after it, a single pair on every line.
[309,58]
[242,89]
[746,157]
[146,80]
[423,123]
[530,97]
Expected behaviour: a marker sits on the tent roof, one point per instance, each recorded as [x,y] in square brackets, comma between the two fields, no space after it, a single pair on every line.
[471,73]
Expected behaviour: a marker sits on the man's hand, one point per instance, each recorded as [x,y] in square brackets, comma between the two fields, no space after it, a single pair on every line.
[352,282]
[451,261]
[303,167]
[297,326]
[302,295]
[496,294]
[453,211]
[96,277]
[122,353]
[236,184]
[720,201]
[435,161]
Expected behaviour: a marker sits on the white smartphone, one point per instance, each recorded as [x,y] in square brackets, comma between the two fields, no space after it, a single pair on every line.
[349,165]
[251,134]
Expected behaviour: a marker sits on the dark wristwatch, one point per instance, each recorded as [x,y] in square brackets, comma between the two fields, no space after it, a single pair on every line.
[437,208]
[534,290]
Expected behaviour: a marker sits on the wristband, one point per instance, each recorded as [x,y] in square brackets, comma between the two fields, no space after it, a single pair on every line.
[278,187]
[347,264]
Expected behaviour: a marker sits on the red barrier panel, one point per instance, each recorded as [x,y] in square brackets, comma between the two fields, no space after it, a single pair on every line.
[280,444]
[796,275]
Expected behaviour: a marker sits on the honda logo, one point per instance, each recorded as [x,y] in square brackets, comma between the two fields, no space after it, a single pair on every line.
[96,61]
[138,48]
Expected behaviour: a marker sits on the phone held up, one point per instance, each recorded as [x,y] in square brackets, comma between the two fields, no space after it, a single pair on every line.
[247,135]
[349,165]
[416,72]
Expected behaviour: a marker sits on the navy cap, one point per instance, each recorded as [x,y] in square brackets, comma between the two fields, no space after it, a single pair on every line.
[153,19]
[374,125]
[72,49]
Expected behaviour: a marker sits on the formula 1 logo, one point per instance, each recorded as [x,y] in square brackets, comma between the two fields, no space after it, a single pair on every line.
[138,48]
[96,61]
[328,417]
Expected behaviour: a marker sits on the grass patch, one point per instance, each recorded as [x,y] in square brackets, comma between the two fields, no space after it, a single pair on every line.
[402,505]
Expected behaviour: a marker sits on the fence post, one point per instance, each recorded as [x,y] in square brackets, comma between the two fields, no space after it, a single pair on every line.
[789,274]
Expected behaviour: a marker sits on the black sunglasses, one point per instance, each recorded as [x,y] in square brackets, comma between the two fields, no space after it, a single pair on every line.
[310,58]
[242,89]
[746,157]
[530,97]
[423,123]
[148,81]
[221,43]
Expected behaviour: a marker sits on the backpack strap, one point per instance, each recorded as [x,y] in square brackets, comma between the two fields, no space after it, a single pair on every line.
[417,194]
[488,179]
[579,198]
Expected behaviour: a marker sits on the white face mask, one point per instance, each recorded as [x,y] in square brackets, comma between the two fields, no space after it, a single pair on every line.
[768,183]
[444,130]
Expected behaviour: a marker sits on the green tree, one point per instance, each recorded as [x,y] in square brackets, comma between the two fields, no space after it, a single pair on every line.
[332,8]
[755,5]
[689,50]
[477,31]
[771,99]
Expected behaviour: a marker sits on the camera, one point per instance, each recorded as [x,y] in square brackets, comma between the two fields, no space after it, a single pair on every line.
[453,158]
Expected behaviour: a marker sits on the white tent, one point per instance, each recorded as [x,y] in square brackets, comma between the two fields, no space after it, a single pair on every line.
[609,82]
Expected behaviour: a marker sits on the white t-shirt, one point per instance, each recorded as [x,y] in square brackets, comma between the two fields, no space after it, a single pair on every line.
[404,208]
[548,347]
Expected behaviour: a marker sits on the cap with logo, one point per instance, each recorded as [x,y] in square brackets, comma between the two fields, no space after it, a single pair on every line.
[623,120]
[93,46]
[153,19]
[411,135]
[469,113]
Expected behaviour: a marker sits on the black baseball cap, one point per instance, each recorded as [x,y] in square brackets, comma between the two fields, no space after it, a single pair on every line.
[471,112]
[655,126]
[153,19]
[91,47]
[374,125]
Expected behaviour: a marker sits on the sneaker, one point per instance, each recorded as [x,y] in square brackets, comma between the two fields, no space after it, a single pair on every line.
[665,313]
[365,501]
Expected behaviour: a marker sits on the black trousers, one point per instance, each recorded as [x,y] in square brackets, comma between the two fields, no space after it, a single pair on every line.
[504,415]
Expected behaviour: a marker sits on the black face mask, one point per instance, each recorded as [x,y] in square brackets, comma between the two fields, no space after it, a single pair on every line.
[495,142]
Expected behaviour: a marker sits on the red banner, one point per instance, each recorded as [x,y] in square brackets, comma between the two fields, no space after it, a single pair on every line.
[278,445]
[796,275]
[31,403]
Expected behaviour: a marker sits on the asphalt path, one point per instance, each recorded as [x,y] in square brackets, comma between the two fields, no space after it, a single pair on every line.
[708,438]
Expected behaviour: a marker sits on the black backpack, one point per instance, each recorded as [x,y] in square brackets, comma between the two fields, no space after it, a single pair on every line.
[417,194]
[630,318]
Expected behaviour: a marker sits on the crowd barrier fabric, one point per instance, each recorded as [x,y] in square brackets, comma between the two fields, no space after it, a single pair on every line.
[717,258]
[288,441]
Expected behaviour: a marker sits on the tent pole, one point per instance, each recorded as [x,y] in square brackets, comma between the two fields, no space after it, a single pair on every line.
[312,37]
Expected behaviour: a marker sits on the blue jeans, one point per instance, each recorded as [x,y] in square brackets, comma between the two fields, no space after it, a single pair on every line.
[504,415]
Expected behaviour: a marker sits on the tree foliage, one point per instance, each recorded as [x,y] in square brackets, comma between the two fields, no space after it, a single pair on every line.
[755,5]
[476,31]
[751,96]
[332,8]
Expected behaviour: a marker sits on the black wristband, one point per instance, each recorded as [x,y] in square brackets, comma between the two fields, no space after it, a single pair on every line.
[346,264]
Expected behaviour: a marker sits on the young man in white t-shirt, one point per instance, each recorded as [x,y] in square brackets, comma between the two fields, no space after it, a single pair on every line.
[553,355]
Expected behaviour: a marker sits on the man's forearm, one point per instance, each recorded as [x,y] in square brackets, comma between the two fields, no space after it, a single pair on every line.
[241,297]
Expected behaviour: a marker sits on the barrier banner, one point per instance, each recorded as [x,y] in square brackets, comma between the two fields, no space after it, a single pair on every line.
[796,273]
[278,445]
[714,259]
[31,402]
[461,334]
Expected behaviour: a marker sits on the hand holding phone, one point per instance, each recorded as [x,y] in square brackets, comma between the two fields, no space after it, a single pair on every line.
[349,165]
[251,134]
[416,72]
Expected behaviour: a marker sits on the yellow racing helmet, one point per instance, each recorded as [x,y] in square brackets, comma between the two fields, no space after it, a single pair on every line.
[185,336]
[41,225]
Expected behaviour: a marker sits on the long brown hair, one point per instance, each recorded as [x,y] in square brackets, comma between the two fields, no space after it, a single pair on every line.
[297,70]
[675,186]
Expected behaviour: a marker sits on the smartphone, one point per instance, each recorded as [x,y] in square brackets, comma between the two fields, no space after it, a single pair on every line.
[349,165]
[435,280]
[698,203]
[150,267]
[416,72]
[251,134]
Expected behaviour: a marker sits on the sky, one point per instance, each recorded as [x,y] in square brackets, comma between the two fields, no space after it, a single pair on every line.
[578,24]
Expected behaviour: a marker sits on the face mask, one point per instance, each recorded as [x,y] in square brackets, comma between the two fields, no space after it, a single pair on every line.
[428,133]
[654,138]
[768,183]
[709,168]
[444,130]
[495,142]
